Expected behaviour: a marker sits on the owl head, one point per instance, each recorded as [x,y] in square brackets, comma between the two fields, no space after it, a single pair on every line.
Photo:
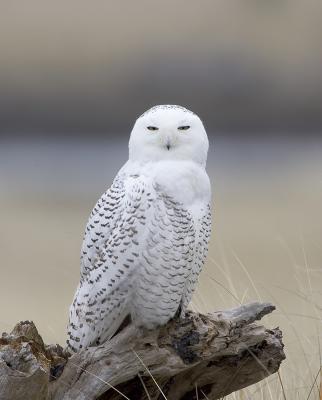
[168,132]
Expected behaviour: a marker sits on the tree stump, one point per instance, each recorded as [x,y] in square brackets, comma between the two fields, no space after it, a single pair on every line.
[201,356]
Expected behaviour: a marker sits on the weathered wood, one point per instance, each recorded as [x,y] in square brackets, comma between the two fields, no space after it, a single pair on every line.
[214,354]
[25,364]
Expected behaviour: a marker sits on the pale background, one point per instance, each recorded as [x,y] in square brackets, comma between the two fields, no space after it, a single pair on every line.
[73,78]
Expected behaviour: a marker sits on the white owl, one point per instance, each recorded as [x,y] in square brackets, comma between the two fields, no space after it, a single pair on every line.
[147,237]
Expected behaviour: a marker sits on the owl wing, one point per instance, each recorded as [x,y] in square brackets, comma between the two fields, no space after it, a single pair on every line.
[200,253]
[114,238]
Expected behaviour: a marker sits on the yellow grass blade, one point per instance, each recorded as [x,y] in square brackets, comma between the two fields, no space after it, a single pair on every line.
[100,379]
[156,383]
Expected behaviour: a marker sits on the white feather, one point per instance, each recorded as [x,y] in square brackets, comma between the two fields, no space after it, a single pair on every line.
[147,237]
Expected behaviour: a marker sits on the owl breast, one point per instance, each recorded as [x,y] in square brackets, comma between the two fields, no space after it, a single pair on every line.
[185,181]
[180,200]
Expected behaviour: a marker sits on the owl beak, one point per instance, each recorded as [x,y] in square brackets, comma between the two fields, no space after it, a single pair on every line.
[168,143]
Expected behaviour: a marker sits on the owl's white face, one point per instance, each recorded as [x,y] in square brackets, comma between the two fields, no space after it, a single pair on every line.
[168,133]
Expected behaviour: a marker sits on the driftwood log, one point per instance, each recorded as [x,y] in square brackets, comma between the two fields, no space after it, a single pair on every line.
[200,357]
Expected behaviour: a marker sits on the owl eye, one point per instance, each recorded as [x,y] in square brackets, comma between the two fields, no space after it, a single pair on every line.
[152,128]
[183,128]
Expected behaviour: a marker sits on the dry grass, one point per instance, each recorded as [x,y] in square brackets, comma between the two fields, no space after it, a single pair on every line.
[256,262]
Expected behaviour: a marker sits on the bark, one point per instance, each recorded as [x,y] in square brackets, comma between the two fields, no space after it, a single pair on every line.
[202,356]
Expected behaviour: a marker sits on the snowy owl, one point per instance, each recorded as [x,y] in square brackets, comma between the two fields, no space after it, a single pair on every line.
[147,237]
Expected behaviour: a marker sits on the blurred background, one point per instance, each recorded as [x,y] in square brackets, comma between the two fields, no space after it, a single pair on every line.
[74,76]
